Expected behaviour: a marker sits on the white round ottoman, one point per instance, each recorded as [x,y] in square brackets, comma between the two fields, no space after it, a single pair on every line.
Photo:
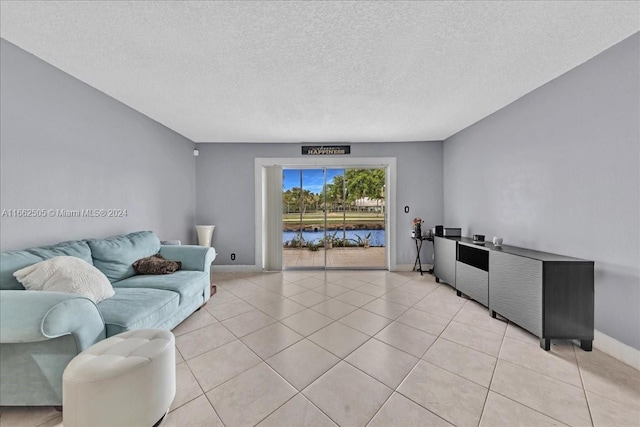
[126,380]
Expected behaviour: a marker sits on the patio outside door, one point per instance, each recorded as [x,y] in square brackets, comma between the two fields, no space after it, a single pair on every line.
[334,218]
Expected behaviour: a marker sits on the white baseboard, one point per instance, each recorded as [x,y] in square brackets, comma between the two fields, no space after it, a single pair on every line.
[255,268]
[236,269]
[616,349]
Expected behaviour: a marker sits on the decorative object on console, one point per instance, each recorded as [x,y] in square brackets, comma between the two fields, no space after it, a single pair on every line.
[497,242]
[478,238]
[156,264]
[452,232]
[417,228]
[205,233]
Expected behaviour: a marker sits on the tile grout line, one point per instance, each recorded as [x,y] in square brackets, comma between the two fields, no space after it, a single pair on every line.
[214,409]
[341,358]
[529,407]
[238,374]
[521,403]
[421,359]
[397,390]
[204,393]
[381,406]
[267,364]
[392,320]
[584,388]
[439,336]
[542,373]
[311,308]
[286,401]
[393,390]
[216,348]
[486,398]
[397,348]
[470,348]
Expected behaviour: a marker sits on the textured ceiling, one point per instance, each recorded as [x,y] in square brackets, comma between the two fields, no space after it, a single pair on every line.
[316,71]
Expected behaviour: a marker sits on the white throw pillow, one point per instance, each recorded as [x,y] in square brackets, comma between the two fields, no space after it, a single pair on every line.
[66,274]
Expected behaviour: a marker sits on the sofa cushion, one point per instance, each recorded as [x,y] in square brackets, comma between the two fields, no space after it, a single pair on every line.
[137,308]
[12,261]
[115,255]
[66,274]
[186,283]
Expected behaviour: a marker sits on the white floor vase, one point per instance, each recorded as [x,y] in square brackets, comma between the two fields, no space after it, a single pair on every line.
[205,233]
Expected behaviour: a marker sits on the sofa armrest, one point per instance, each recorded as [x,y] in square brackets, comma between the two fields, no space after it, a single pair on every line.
[198,258]
[31,316]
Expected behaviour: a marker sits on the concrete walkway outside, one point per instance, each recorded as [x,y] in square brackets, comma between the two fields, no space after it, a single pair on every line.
[336,257]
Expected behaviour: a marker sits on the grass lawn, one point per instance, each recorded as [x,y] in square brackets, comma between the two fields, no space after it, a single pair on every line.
[354,220]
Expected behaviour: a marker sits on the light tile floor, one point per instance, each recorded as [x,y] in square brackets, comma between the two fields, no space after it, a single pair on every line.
[374,348]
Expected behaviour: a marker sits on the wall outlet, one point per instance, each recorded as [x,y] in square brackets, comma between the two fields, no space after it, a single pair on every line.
[233,257]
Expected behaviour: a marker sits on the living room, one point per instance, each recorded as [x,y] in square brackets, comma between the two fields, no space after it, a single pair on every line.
[526,128]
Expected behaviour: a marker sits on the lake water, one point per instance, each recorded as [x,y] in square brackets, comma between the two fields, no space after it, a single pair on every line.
[376,239]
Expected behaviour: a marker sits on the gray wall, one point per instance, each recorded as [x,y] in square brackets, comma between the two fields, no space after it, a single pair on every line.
[558,170]
[66,145]
[225,192]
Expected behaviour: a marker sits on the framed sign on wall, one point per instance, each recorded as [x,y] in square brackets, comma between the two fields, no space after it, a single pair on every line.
[325,150]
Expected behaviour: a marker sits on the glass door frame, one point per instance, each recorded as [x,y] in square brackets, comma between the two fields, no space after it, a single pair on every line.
[261,223]
[324,185]
[346,205]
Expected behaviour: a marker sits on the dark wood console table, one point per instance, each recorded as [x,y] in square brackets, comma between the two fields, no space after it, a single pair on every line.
[549,295]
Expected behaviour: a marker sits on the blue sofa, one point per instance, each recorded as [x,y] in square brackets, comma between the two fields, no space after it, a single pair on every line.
[40,332]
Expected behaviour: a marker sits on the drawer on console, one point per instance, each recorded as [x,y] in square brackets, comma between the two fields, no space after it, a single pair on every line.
[475,257]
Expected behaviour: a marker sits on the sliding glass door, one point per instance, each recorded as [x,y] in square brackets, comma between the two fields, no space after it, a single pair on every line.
[303,221]
[334,218]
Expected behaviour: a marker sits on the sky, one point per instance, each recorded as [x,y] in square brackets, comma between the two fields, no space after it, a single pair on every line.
[312,179]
